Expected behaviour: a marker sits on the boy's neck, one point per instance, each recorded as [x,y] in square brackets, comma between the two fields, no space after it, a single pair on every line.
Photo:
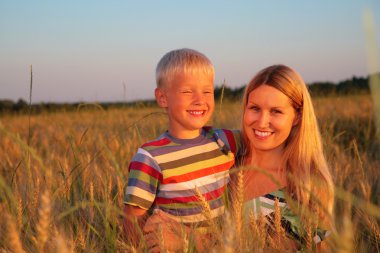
[185,134]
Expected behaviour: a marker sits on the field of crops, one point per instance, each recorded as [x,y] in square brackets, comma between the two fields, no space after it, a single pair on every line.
[62,175]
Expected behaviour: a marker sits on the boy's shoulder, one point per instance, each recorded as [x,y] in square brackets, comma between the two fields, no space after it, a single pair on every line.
[224,131]
[231,137]
[160,141]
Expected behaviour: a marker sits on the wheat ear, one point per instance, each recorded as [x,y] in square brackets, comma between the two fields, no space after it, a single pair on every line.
[280,231]
[13,235]
[44,217]
[207,213]
[229,234]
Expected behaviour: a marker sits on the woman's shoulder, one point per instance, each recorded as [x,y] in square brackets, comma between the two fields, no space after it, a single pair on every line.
[271,197]
[276,194]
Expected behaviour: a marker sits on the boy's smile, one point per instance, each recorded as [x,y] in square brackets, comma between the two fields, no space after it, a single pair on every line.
[189,101]
[197,113]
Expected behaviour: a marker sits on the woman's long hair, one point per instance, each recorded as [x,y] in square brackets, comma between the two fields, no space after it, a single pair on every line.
[303,158]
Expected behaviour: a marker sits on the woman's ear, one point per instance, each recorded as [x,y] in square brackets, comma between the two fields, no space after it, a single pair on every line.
[297,118]
[160,97]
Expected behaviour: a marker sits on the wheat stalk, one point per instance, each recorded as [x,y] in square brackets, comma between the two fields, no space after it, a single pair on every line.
[253,225]
[61,245]
[81,241]
[19,210]
[262,225]
[280,231]
[238,209]
[229,234]
[36,193]
[91,208]
[44,218]
[13,235]
[207,213]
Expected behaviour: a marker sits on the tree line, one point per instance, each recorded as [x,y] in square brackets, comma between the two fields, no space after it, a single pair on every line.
[355,85]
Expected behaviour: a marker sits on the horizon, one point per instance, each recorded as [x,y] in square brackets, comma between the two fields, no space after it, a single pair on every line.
[149,100]
[107,52]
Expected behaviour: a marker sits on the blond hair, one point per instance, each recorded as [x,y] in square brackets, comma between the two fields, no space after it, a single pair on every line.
[183,60]
[303,157]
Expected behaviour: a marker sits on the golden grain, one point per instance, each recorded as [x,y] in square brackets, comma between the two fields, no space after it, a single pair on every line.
[84,154]
[12,235]
[44,219]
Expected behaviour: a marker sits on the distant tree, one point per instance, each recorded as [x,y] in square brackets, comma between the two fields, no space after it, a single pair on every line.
[228,93]
[6,105]
[353,86]
[322,89]
[20,106]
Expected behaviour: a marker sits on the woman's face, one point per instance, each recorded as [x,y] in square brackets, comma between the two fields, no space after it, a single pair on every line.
[268,118]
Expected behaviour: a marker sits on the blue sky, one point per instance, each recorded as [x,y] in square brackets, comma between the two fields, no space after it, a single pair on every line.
[90,50]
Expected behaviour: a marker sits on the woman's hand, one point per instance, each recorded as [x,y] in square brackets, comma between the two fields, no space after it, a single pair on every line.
[163,234]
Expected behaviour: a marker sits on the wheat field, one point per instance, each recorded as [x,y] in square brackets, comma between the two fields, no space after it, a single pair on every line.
[63,175]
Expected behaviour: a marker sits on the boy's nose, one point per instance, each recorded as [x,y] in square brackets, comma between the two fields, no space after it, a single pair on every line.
[199,98]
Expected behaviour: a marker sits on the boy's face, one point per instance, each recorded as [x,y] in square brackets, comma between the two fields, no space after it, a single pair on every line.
[189,101]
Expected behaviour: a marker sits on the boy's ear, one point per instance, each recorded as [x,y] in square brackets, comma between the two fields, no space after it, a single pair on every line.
[160,97]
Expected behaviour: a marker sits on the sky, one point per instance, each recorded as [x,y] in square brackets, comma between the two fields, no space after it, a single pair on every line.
[107,51]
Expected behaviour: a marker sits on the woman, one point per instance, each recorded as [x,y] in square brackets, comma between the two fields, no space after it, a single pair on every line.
[283,158]
[282,139]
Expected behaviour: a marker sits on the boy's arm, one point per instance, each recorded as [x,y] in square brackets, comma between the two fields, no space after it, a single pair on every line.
[134,221]
[143,179]
[173,234]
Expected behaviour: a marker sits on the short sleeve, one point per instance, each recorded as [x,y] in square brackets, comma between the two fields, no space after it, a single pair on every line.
[143,180]
[232,138]
[238,143]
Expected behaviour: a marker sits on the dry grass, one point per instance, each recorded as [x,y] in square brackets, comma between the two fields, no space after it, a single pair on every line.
[74,179]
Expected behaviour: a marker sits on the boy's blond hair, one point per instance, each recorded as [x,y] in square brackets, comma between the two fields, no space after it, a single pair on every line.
[183,60]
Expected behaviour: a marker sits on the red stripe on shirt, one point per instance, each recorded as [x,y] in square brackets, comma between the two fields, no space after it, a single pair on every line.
[161,142]
[231,140]
[199,173]
[208,196]
[146,169]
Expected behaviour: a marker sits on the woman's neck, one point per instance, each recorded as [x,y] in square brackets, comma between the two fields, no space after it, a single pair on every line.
[268,160]
[257,182]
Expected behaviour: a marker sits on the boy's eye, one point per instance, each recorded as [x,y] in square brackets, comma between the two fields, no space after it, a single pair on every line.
[186,91]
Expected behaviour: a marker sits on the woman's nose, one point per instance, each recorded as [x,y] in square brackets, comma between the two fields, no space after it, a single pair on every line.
[263,120]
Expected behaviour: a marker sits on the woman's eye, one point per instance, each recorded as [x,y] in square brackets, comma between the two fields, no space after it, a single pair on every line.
[254,108]
[276,111]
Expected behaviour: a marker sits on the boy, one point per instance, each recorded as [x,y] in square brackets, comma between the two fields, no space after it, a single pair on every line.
[167,173]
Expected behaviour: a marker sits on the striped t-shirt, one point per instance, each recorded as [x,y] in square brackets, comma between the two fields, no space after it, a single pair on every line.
[291,222]
[167,173]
